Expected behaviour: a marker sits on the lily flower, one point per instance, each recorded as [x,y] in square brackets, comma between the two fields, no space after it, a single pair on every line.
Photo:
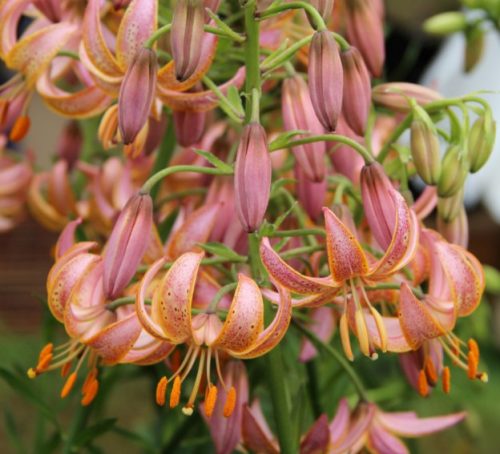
[351,268]
[241,335]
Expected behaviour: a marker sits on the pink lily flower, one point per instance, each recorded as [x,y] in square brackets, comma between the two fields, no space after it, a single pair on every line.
[242,335]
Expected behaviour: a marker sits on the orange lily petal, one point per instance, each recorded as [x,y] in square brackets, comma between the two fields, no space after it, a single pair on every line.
[245,318]
[346,258]
[33,54]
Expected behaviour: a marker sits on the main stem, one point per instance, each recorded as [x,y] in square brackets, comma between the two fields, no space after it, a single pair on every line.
[274,361]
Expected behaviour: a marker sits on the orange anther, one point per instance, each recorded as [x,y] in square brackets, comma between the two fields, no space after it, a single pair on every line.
[175,395]
[65,369]
[44,363]
[210,400]
[91,377]
[473,348]
[430,371]
[175,360]
[20,128]
[68,385]
[230,402]
[90,392]
[472,364]
[161,389]
[46,350]
[446,380]
[423,386]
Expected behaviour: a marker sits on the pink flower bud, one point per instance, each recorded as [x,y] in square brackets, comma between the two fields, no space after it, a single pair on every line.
[156,131]
[69,144]
[326,78]
[186,36]
[357,90]
[298,114]
[127,243]
[394,95]
[136,94]
[252,176]
[189,126]
[365,30]
[311,194]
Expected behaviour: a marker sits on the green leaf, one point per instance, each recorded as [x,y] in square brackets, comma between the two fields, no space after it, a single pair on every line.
[28,391]
[13,432]
[221,250]
[87,435]
[234,99]
[215,161]
[284,138]
[492,276]
[278,184]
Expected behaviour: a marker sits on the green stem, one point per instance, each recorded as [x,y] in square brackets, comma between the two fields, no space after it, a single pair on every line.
[68,53]
[157,177]
[341,41]
[277,59]
[252,57]
[360,149]
[165,153]
[297,232]
[157,35]
[225,104]
[327,348]
[318,22]
[302,250]
[220,294]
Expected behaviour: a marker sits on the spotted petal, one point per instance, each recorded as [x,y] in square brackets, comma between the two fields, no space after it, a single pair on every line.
[245,318]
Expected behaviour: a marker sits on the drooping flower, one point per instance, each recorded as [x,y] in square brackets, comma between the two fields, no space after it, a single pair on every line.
[242,335]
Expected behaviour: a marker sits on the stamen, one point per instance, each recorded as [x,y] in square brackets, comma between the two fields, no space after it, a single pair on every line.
[188,408]
[210,400]
[472,364]
[423,386]
[20,128]
[43,363]
[446,378]
[91,376]
[65,369]
[230,402]
[68,386]
[473,348]
[175,361]
[218,369]
[430,371]
[161,391]
[31,373]
[362,332]
[344,337]
[382,332]
[46,350]
[90,393]
[175,395]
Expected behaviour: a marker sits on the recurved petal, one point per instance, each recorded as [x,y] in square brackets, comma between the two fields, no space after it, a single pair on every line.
[340,422]
[33,54]
[94,44]
[286,276]
[359,423]
[273,334]
[66,238]
[136,26]
[255,432]
[382,441]
[171,307]
[417,322]
[408,424]
[245,318]
[317,438]
[404,242]
[346,258]
[115,340]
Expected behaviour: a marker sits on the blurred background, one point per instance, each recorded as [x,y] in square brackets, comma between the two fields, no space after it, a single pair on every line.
[411,56]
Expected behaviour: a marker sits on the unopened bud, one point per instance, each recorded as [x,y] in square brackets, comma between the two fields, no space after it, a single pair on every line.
[394,95]
[298,114]
[326,78]
[252,176]
[311,194]
[474,47]
[136,94]
[425,147]
[186,36]
[365,30]
[69,144]
[481,140]
[445,23]
[189,126]
[127,243]
[457,230]
[449,207]
[357,90]
[453,173]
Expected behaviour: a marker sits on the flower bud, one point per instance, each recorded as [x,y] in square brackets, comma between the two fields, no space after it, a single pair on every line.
[69,144]
[474,47]
[186,36]
[326,78]
[453,173]
[298,114]
[189,126]
[127,243]
[136,94]
[449,208]
[457,230]
[425,147]
[357,90]
[311,194]
[394,95]
[252,176]
[446,23]
[365,30]
[481,140]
